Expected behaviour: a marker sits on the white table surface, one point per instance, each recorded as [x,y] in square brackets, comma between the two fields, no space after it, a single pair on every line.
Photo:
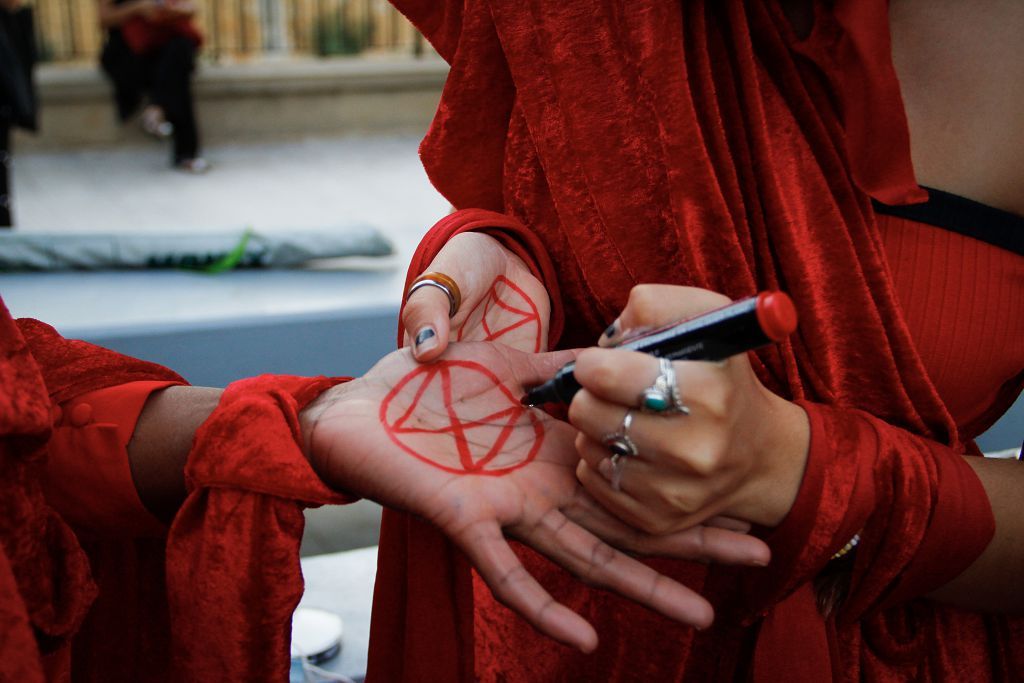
[343,583]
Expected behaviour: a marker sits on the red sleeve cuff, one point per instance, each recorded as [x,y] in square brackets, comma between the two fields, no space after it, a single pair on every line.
[88,478]
[233,550]
[921,512]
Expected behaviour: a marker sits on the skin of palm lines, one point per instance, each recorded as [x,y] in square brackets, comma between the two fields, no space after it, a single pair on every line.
[481,436]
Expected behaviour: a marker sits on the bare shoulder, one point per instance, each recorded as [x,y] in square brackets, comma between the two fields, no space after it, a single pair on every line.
[961,70]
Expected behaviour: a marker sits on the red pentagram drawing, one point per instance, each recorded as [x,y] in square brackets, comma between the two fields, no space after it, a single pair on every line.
[491,434]
[506,308]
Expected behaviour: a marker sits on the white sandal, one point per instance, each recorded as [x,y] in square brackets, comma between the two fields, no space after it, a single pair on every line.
[195,165]
[154,123]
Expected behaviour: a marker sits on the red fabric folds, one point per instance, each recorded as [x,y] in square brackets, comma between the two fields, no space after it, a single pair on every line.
[81,603]
[852,45]
[233,576]
[53,579]
[703,144]
[73,367]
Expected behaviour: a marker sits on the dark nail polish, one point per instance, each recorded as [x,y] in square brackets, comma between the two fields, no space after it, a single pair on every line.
[610,332]
[425,334]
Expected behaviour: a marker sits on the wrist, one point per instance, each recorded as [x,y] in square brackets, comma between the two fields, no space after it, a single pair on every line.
[785,442]
[310,416]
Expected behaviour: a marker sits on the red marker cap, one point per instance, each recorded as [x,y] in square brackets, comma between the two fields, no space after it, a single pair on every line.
[776,314]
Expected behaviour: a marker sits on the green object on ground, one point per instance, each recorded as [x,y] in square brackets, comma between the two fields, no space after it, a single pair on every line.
[232,258]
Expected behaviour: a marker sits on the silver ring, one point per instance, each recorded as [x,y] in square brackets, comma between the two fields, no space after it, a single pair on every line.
[662,397]
[430,283]
[616,479]
[621,446]
[443,282]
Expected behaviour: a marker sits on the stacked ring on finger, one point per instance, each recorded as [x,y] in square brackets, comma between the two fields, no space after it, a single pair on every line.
[621,446]
[662,397]
[443,282]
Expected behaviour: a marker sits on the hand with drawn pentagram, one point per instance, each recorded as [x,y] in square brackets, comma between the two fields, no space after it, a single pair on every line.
[501,301]
[450,441]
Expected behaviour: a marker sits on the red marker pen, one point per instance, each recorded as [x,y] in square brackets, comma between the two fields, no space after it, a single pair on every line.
[741,326]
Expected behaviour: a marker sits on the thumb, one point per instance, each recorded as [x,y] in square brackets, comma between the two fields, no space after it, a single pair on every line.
[652,306]
[425,319]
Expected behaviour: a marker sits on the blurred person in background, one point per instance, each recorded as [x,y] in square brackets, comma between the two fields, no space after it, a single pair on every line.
[150,54]
[17,96]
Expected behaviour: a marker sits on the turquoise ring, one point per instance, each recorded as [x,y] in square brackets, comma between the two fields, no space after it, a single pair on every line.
[662,397]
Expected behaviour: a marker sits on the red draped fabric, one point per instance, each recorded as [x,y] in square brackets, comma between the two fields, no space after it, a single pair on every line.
[703,143]
[48,583]
[210,601]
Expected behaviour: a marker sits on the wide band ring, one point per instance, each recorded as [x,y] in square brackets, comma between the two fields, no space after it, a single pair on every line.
[622,447]
[662,397]
[442,282]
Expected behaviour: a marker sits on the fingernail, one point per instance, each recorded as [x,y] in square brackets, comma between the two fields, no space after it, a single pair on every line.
[426,339]
[610,332]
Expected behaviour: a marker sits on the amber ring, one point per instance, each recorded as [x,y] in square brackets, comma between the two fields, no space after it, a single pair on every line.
[442,282]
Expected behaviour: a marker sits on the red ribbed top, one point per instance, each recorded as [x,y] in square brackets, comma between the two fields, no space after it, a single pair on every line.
[963,300]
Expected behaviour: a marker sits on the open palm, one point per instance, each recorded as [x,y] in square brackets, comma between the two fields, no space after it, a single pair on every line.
[450,441]
[502,301]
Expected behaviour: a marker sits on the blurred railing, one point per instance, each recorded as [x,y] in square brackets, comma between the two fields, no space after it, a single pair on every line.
[241,29]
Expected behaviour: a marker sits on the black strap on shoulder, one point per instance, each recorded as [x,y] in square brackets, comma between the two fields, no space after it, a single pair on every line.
[964,216]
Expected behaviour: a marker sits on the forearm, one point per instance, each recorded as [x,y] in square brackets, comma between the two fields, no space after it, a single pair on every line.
[163,437]
[160,445]
[993,582]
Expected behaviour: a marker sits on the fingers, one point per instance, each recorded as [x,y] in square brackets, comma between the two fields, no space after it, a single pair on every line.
[514,587]
[631,505]
[620,376]
[652,306]
[657,497]
[688,444]
[425,319]
[720,539]
[595,562]
[730,523]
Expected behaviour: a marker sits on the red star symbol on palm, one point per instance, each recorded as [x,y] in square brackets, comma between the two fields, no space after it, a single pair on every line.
[505,309]
[430,428]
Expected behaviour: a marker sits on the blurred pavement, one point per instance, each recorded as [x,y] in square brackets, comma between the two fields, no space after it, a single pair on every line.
[281,186]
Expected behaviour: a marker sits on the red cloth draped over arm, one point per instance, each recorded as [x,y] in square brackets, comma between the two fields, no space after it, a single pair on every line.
[53,579]
[233,576]
[71,367]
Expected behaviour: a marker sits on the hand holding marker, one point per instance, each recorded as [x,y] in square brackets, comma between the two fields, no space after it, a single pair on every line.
[741,326]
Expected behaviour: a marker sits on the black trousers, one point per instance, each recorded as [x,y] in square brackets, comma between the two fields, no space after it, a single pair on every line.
[166,78]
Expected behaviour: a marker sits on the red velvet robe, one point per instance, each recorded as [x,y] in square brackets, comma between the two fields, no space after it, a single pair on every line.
[100,591]
[703,143]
